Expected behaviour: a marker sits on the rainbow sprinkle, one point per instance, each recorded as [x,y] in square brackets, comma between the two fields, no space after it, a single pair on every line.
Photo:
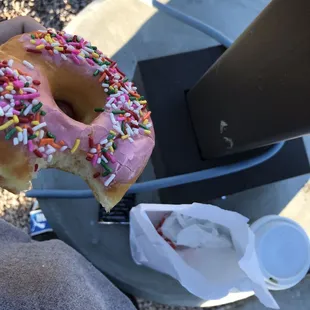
[127,110]
[75,146]
[19,110]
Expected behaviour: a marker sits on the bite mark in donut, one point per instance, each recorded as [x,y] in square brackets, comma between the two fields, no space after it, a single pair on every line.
[110,141]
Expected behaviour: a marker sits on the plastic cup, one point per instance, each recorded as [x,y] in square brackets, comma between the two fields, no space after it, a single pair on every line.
[283,251]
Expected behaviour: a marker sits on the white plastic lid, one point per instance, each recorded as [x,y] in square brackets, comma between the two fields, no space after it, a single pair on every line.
[283,250]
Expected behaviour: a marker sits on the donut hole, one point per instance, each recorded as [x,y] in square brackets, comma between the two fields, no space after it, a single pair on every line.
[66,107]
[77,94]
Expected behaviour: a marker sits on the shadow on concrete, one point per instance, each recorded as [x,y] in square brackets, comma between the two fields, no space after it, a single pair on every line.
[162,35]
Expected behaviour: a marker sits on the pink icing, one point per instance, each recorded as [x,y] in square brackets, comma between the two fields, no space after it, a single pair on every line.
[129,158]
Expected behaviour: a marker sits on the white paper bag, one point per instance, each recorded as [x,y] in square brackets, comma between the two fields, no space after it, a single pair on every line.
[229,262]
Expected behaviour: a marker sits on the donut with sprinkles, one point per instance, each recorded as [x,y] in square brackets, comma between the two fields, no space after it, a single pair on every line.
[108,138]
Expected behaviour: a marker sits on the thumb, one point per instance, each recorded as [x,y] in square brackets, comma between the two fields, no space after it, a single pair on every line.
[18,25]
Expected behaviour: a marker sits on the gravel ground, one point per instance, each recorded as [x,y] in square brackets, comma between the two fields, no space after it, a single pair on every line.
[15,208]
[51,13]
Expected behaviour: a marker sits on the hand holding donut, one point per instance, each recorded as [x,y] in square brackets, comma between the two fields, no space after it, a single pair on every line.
[108,136]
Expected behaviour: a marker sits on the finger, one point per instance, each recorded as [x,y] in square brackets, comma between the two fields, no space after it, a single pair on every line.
[18,25]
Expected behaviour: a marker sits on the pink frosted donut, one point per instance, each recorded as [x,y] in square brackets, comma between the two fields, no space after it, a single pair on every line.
[111,137]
